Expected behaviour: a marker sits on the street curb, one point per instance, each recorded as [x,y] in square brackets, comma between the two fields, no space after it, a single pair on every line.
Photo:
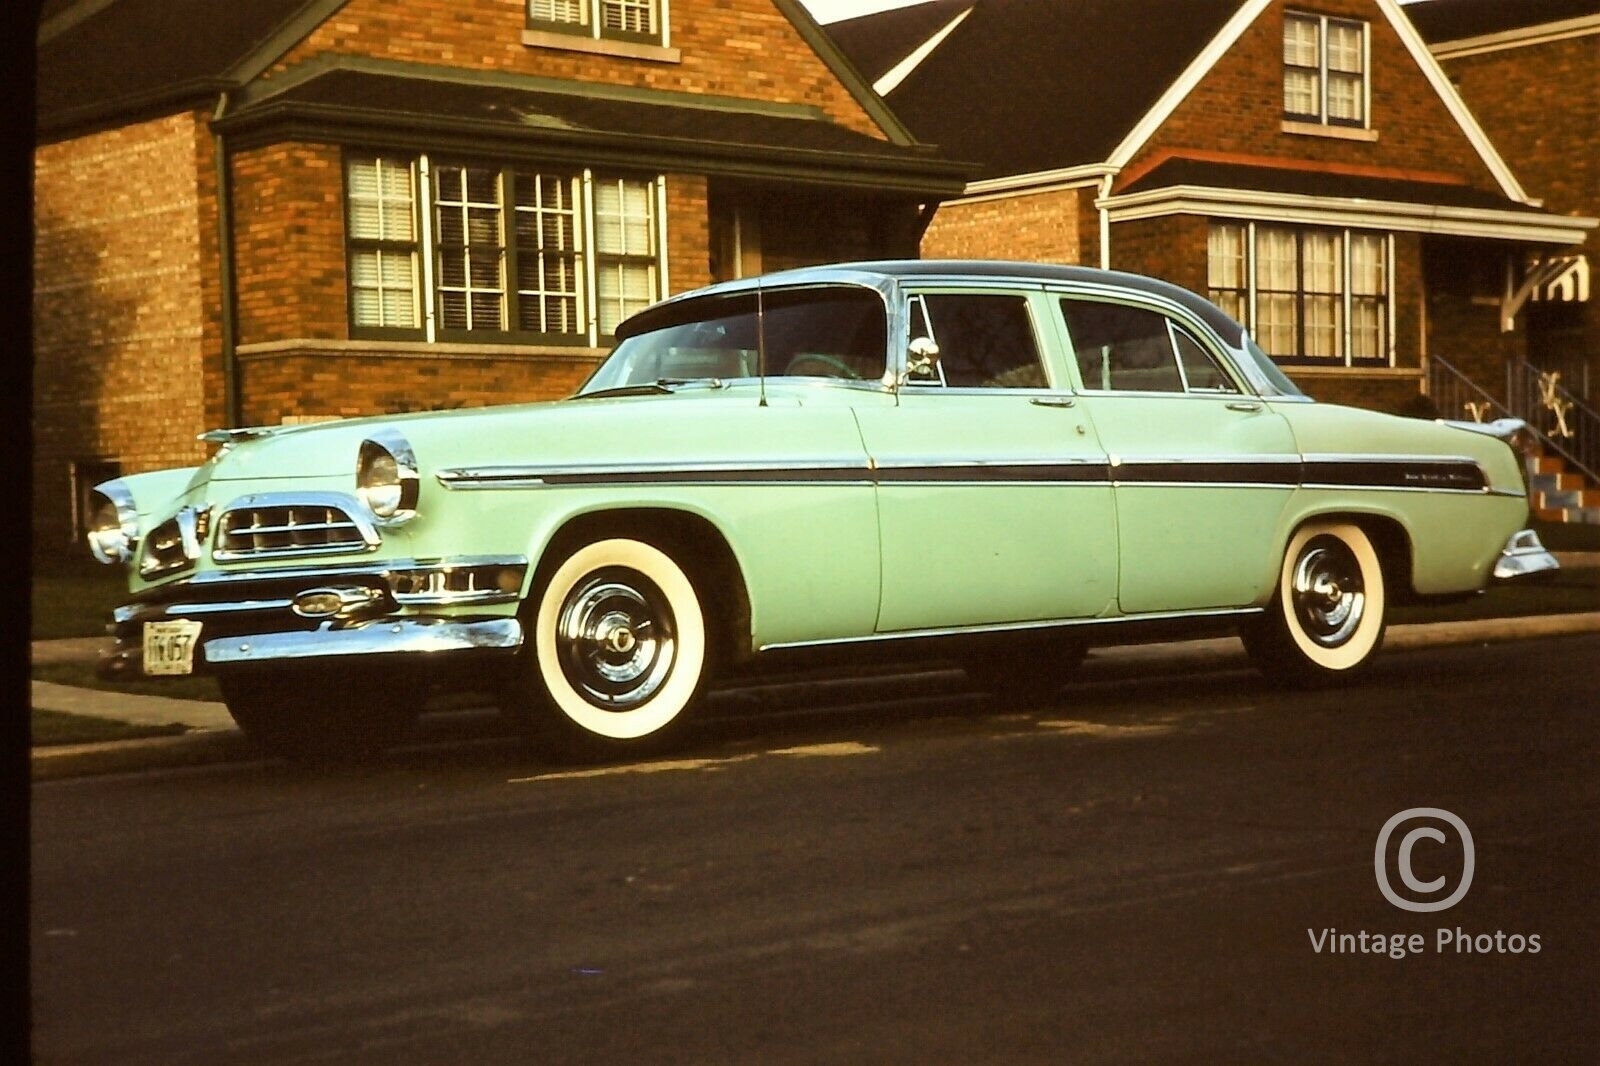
[200,748]
[212,746]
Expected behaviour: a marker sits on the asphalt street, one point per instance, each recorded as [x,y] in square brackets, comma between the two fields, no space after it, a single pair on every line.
[1140,870]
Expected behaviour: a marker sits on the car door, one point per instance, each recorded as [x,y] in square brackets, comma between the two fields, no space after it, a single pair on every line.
[993,502]
[1201,469]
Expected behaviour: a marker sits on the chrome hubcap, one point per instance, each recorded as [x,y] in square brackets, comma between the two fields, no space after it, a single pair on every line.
[1328,593]
[616,639]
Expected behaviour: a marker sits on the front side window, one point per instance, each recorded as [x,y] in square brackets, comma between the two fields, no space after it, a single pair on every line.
[631,20]
[828,331]
[986,341]
[1312,296]
[443,250]
[1324,70]
[1133,349]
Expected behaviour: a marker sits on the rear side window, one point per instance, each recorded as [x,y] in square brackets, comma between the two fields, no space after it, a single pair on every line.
[1133,349]
[986,340]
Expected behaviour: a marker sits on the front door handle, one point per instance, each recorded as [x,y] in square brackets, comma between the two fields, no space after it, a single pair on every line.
[1053,401]
[1244,405]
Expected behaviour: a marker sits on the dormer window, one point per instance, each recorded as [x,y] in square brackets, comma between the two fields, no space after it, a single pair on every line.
[619,20]
[1325,63]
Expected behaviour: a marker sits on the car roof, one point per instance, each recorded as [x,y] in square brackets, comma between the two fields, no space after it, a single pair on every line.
[883,273]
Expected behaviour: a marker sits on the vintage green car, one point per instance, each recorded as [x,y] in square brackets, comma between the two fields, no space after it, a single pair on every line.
[995,463]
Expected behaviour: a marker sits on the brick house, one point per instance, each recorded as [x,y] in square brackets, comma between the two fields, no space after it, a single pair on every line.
[300,209]
[1528,72]
[1308,165]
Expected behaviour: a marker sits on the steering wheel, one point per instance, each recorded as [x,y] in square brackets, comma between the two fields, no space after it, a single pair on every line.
[833,367]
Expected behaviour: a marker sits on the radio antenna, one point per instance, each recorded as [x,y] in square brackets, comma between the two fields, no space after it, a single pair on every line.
[761,345]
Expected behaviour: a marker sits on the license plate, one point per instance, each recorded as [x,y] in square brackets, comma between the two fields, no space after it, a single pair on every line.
[169,647]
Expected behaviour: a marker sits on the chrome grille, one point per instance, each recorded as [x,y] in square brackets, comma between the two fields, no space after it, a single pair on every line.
[280,525]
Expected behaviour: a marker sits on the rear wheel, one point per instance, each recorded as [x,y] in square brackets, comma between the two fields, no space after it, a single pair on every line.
[310,715]
[619,652]
[1327,617]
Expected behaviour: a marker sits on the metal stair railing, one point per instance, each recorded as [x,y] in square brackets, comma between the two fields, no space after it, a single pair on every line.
[1572,426]
[1573,434]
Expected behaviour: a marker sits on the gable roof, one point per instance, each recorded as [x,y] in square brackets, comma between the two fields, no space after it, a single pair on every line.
[167,53]
[1033,85]
[100,62]
[876,43]
[1041,87]
[1454,20]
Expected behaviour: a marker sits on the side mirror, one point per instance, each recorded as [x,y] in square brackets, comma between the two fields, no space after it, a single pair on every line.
[922,357]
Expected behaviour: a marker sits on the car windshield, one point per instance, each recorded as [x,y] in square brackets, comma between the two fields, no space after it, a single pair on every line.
[833,331]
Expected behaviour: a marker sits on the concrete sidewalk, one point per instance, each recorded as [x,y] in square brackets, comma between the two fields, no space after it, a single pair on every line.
[213,736]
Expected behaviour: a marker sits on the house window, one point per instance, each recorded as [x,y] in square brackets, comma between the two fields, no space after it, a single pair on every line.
[1310,296]
[1324,70]
[383,244]
[511,253]
[627,20]
[625,245]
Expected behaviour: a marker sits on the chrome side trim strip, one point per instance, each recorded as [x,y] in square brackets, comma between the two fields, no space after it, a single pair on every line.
[853,468]
[1013,627]
[387,637]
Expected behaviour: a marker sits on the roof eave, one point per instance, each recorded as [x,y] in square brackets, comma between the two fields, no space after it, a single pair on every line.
[278,120]
[1489,223]
[125,110]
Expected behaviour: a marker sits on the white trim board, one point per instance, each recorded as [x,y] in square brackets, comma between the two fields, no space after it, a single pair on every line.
[1389,215]
[1523,37]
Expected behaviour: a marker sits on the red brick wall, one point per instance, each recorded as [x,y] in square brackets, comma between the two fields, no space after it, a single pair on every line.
[1540,105]
[742,48]
[688,233]
[1040,227]
[1171,248]
[347,385]
[288,203]
[121,329]
[805,229]
[1238,107]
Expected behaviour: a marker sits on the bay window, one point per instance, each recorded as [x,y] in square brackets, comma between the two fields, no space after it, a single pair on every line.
[457,251]
[1312,296]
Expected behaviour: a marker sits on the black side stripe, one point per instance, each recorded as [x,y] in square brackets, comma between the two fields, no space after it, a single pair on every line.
[1439,475]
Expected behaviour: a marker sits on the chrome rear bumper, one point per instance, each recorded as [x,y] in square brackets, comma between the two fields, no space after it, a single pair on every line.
[1523,556]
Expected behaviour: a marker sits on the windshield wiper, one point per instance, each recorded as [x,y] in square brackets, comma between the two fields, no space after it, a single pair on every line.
[652,388]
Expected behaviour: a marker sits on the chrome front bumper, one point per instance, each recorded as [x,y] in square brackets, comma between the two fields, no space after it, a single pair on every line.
[387,636]
[398,607]
[1523,556]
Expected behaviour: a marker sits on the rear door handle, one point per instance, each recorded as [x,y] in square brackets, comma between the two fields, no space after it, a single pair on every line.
[1053,401]
[1244,405]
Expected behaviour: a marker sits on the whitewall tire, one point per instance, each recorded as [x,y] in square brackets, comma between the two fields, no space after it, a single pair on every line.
[1327,616]
[619,647]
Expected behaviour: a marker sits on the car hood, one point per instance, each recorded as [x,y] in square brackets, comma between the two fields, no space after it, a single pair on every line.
[599,429]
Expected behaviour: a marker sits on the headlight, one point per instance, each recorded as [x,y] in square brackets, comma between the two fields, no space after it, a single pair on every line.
[386,477]
[113,523]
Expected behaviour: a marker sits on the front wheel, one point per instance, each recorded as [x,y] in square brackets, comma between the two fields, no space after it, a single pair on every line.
[1326,619]
[619,652]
